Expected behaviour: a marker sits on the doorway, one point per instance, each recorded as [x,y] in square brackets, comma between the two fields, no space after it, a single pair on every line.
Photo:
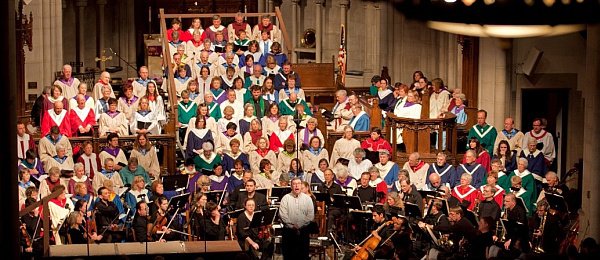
[551,104]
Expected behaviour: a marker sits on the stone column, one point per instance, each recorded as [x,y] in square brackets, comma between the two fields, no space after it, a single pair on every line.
[80,43]
[591,124]
[270,6]
[57,57]
[319,28]
[100,33]
[492,81]
[261,6]
[344,4]
[294,30]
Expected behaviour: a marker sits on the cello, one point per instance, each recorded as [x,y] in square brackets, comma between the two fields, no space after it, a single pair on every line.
[368,245]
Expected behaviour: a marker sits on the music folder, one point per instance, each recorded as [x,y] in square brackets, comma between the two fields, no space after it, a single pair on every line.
[322,196]
[143,125]
[347,202]
[180,200]
[412,210]
[240,47]
[214,195]
[263,218]
[174,182]
[279,192]
[557,202]
[219,48]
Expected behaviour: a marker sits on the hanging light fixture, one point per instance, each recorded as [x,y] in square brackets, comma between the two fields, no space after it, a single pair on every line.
[503,18]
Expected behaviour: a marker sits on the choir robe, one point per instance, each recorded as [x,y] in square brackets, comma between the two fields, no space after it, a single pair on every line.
[145,117]
[476,171]
[195,139]
[271,97]
[388,172]
[511,165]
[128,107]
[97,93]
[185,112]
[148,159]
[61,120]
[283,164]
[249,143]
[81,117]
[310,158]
[218,182]
[304,136]
[376,145]
[202,162]
[360,122]
[46,187]
[238,108]
[262,182]
[223,122]
[140,86]
[59,211]
[220,97]
[116,154]
[514,139]
[37,165]
[132,197]
[229,160]
[280,81]
[466,194]
[343,148]
[409,110]
[210,32]
[211,124]
[22,192]
[158,106]
[319,177]
[256,156]
[70,87]
[274,32]
[271,124]
[242,95]
[127,175]
[74,180]
[66,163]
[484,159]
[214,110]
[115,177]
[252,80]
[485,134]
[417,174]
[222,71]
[529,194]
[356,169]
[277,139]
[380,187]
[89,102]
[244,124]
[100,108]
[438,103]
[545,143]
[223,140]
[47,147]
[535,163]
[49,101]
[181,84]
[91,164]
[446,172]
[504,181]
[113,121]
[24,143]
[348,186]
[522,193]
[234,181]
[284,94]
[498,196]
[289,109]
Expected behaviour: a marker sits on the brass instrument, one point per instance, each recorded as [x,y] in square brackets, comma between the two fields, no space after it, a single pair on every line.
[476,208]
[539,240]
[500,229]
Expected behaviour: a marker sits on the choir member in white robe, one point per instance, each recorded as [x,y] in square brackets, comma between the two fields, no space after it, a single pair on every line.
[63,162]
[223,139]
[209,122]
[357,164]
[128,103]
[60,208]
[204,79]
[144,120]
[182,80]
[280,136]
[360,120]
[411,109]
[417,170]
[101,106]
[388,170]
[311,156]
[543,138]
[284,159]
[157,104]
[90,160]
[140,84]
[226,119]
[68,83]
[196,137]
[145,152]
[103,81]
[513,136]
[439,99]
[82,90]
[266,25]
[203,62]
[270,122]
[194,46]
[108,173]
[113,121]
[262,152]
[238,107]
[113,151]
[48,144]
[252,136]
[24,141]
[345,146]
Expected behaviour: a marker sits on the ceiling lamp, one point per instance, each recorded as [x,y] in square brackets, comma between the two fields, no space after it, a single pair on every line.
[503,18]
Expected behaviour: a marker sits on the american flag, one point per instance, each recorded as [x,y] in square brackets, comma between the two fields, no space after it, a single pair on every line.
[342,57]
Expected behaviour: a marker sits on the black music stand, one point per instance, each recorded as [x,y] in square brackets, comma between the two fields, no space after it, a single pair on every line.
[314,187]
[214,195]
[557,202]
[35,181]
[262,218]
[412,210]
[343,201]
[175,182]
[178,202]
[429,194]
[279,192]
[373,156]
[470,215]
[235,213]
[445,208]
[263,191]
[521,203]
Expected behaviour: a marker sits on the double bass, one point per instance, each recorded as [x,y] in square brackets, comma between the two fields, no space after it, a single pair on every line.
[369,244]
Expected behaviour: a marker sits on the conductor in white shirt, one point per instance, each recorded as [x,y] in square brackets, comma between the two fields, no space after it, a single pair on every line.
[296,212]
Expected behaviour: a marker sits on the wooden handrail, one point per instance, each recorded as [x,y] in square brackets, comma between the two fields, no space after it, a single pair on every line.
[288,43]
[46,216]
[171,123]
[166,16]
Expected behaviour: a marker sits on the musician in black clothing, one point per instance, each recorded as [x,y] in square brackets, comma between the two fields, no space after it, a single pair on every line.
[484,239]
[234,199]
[364,191]
[436,220]
[461,228]
[488,207]
[33,227]
[140,223]
[517,234]
[214,227]
[411,195]
[550,237]
[259,198]
[106,216]
[330,187]
[252,240]
[159,222]
[451,200]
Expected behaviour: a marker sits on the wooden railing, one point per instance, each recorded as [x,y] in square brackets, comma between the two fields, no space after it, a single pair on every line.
[46,216]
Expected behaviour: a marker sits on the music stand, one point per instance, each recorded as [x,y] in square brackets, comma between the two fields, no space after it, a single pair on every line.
[557,202]
[175,182]
[347,202]
[35,181]
[214,195]
[262,218]
[412,210]
[314,186]
[323,196]
[235,213]
[279,192]
[207,172]
[178,202]
[373,156]
[263,191]
[521,203]
[470,215]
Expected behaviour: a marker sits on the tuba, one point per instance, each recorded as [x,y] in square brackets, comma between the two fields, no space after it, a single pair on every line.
[539,240]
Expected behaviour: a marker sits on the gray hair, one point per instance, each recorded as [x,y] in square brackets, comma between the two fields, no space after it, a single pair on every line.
[207,146]
[359,152]
[467,176]
[524,160]
[78,166]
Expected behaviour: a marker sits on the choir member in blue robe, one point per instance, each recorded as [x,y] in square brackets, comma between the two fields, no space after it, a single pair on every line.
[197,137]
[476,170]
[219,94]
[33,164]
[234,154]
[507,156]
[236,176]
[218,180]
[535,162]
[318,176]
[360,121]
[446,171]
[388,170]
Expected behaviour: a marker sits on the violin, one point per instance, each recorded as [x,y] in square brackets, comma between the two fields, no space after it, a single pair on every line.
[28,241]
[369,244]
[159,223]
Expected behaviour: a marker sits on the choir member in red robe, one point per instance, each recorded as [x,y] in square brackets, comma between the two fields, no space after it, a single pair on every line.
[82,118]
[56,117]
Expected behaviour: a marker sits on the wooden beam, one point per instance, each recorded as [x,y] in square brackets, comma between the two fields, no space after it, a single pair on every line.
[167,16]
[288,43]
[172,122]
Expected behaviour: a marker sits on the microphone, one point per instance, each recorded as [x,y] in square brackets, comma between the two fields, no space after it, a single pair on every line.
[111,50]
